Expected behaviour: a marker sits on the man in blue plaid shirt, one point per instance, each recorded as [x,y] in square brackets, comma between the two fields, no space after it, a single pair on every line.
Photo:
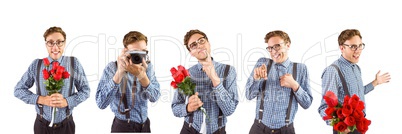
[214,93]
[280,85]
[351,45]
[66,100]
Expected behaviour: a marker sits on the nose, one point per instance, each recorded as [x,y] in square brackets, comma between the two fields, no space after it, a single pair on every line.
[199,45]
[358,50]
[55,46]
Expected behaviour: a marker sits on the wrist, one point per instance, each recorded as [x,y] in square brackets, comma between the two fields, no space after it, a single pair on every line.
[216,81]
[295,87]
[40,100]
[117,77]
[375,83]
[187,109]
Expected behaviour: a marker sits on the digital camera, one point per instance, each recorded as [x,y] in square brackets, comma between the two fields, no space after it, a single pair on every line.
[137,56]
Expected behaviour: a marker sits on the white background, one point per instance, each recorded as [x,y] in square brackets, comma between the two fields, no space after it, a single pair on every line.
[236,32]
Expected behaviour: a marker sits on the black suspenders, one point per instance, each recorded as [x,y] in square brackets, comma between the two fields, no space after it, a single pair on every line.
[70,89]
[261,110]
[38,86]
[220,116]
[345,87]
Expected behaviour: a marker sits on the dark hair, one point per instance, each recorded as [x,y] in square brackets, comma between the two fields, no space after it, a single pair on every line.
[190,33]
[278,33]
[52,30]
[134,36]
[347,34]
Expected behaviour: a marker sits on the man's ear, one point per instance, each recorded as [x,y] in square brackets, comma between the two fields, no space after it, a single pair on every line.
[341,48]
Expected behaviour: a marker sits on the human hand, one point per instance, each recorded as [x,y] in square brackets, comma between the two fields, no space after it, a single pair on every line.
[380,79]
[137,69]
[346,131]
[209,68]
[194,103]
[288,81]
[260,72]
[122,62]
[58,100]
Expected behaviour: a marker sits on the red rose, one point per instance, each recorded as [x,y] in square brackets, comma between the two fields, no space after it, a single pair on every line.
[45,74]
[353,102]
[60,70]
[350,121]
[340,126]
[327,117]
[358,115]
[329,111]
[173,84]
[57,77]
[339,114]
[65,75]
[55,65]
[183,70]
[46,62]
[331,99]
[173,71]
[346,100]
[360,106]
[347,110]
[178,76]
[362,126]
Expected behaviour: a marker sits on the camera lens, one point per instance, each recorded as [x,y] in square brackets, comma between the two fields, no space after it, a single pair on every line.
[137,58]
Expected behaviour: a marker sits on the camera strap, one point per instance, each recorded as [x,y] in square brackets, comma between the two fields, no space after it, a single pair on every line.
[38,91]
[123,97]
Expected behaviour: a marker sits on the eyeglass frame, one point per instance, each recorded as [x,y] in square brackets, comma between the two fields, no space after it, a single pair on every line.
[361,46]
[58,43]
[277,46]
[197,42]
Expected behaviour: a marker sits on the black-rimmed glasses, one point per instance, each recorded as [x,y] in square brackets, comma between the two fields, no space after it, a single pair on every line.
[57,43]
[195,44]
[276,47]
[354,47]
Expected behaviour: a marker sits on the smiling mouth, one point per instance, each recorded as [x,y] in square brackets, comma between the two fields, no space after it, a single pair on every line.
[356,56]
[276,55]
[55,53]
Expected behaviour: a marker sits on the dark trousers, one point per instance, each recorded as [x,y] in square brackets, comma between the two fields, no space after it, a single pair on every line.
[354,132]
[41,126]
[190,130]
[259,128]
[124,126]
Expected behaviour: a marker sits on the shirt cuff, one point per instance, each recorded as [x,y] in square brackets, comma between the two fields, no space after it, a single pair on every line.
[36,98]
[219,86]
[113,85]
[370,86]
[299,91]
[69,101]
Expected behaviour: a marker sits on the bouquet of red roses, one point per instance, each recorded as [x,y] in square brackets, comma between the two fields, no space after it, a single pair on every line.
[182,81]
[54,80]
[348,115]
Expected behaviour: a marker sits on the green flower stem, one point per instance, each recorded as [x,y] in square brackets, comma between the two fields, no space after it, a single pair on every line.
[205,113]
